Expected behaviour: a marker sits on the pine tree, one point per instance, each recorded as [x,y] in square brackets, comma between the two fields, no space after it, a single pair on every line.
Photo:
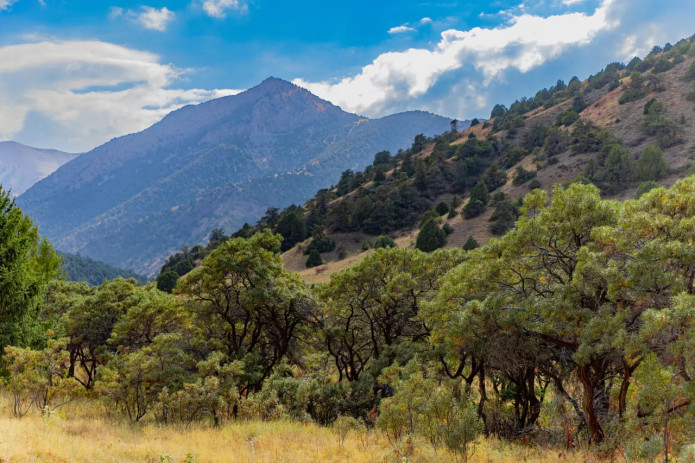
[431,237]
[314,259]
[470,243]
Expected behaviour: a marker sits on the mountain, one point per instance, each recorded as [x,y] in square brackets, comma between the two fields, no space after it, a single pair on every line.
[21,166]
[93,272]
[137,198]
[626,129]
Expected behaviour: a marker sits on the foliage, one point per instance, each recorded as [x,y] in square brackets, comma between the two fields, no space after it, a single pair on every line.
[79,268]
[470,244]
[40,378]
[651,164]
[314,259]
[27,264]
[384,241]
[430,237]
[522,176]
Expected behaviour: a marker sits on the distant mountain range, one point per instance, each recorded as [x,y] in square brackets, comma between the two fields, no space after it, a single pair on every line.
[21,166]
[134,200]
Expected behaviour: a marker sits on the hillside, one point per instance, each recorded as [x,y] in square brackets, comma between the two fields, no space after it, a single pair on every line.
[615,130]
[93,272]
[22,166]
[137,198]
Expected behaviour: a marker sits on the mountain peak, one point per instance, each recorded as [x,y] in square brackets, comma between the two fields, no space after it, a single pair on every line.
[276,84]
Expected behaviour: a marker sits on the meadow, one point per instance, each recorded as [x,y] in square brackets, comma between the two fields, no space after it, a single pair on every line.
[82,432]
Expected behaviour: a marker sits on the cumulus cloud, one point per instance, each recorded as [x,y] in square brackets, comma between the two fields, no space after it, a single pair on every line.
[426,20]
[6,4]
[524,43]
[86,92]
[219,8]
[152,18]
[400,29]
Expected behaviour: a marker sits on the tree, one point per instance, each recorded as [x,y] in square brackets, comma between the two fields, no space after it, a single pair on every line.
[454,125]
[431,237]
[292,228]
[382,157]
[217,237]
[497,111]
[645,187]
[651,164]
[384,241]
[442,208]
[470,244]
[314,259]
[167,281]
[493,177]
[27,265]
[40,378]
[477,201]
[419,143]
[248,306]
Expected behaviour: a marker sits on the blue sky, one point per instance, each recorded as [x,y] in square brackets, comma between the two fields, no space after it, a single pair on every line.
[75,73]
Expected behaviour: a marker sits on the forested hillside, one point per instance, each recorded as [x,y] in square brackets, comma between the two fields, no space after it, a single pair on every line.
[136,199]
[626,129]
[93,272]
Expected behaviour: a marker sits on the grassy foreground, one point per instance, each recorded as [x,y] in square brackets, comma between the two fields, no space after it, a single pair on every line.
[75,436]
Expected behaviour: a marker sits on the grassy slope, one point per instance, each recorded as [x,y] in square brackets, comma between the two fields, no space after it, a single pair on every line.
[624,121]
[84,435]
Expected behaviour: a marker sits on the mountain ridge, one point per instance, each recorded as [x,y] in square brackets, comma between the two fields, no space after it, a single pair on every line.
[111,199]
[21,166]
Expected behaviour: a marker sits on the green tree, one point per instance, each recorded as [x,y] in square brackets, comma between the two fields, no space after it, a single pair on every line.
[442,208]
[314,259]
[470,243]
[167,281]
[645,187]
[292,228]
[27,265]
[384,241]
[431,237]
[651,164]
[248,306]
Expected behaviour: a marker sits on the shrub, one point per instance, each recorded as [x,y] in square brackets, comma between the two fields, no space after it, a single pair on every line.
[448,229]
[427,216]
[651,164]
[314,259]
[431,237]
[442,208]
[690,96]
[645,188]
[367,245]
[534,184]
[470,243]
[522,176]
[689,74]
[384,241]
[167,281]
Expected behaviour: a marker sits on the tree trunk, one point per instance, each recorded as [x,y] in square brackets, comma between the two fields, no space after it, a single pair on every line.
[588,391]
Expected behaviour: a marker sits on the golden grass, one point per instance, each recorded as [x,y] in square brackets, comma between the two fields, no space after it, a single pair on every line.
[84,434]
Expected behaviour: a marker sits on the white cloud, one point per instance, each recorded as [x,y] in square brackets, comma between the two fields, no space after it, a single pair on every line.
[426,20]
[571,2]
[115,12]
[524,43]
[401,29]
[6,4]
[219,8]
[86,92]
[152,18]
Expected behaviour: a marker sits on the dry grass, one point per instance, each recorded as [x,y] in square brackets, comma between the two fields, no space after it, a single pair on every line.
[84,434]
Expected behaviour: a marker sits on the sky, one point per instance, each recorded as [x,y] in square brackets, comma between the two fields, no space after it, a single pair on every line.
[76,73]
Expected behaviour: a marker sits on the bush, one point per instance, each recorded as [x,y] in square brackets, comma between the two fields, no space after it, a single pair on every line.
[690,96]
[314,259]
[442,208]
[448,229]
[534,184]
[470,243]
[522,176]
[167,281]
[689,74]
[651,164]
[431,237]
[645,188]
[384,241]
[427,216]
[367,245]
